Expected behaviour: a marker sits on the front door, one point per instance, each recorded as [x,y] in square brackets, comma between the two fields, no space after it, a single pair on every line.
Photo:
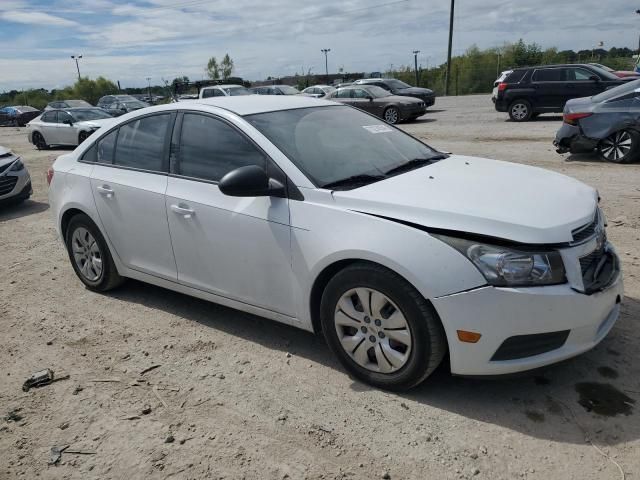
[129,182]
[582,83]
[67,134]
[239,248]
[361,99]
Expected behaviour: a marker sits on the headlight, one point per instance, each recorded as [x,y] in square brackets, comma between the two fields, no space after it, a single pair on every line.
[508,267]
[17,166]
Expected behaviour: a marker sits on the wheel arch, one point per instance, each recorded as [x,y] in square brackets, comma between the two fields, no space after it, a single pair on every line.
[329,271]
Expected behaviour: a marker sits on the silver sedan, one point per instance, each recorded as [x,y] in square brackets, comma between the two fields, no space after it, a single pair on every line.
[70,126]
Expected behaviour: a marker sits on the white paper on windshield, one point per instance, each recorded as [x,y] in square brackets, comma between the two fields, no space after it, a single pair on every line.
[377,128]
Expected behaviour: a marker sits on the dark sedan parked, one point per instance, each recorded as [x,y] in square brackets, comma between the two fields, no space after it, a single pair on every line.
[608,122]
[528,92]
[396,87]
[19,115]
[391,108]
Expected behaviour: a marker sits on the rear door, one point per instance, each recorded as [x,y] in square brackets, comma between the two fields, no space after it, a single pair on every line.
[551,87]
[236,247]
[129,181]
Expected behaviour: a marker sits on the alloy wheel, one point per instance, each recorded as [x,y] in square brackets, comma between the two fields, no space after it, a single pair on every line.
[391,115]
[39,142]
[617,146]
[519,111]
[86,254]
[372,330]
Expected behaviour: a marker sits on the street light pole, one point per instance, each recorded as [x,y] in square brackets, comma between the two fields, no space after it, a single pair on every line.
[326,64]
[448,74]
[149,88]
[638,12]
[76,58]
[415,62]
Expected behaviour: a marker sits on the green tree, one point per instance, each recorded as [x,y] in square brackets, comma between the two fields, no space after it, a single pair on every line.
[213,70]
[226,66]
[92,90]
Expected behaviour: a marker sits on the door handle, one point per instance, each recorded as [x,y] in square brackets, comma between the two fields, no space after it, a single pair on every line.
[186,212]
[105,190]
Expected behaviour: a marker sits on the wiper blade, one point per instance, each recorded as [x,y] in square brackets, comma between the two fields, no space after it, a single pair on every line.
[415,163]
[355,180]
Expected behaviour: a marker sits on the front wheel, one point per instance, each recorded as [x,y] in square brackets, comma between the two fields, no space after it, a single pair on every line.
[380,327]
[391,115]
[620,147]
[90,256]
[39,141]
[520,111]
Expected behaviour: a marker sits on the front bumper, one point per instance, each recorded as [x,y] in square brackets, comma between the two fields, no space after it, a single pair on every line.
[502,313]
[15,186]
[571,139]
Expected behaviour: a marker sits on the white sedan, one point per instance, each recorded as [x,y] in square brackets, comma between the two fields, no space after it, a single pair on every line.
[321,216]
[70,126]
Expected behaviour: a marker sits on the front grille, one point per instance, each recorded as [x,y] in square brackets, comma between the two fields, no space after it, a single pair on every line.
[523,346]
[586,231]
[7,184]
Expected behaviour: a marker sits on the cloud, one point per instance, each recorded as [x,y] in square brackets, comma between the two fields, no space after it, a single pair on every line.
[128,40]
[36,18]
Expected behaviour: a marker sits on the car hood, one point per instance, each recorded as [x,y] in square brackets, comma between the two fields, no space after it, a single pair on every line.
[95,123]
[5,161]
[480,196]
[415,91]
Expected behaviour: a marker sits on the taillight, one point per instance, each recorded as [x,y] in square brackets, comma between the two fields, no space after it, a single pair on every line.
[502,86]
[572,118]
[49,175]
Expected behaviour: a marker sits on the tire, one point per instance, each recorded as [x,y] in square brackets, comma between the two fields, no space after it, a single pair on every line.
[407,330]
[620,147]
[391,115]
[39,141]
[84,239]
[520,111]
[82,136]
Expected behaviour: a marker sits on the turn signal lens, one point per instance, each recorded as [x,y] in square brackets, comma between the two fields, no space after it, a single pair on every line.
[49,176]
[468,337]
[572,118]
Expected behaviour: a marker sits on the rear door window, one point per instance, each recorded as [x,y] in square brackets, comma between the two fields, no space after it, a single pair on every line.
[549,75]
[141,143]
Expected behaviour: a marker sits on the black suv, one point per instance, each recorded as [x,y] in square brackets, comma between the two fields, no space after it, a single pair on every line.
[397,87]
[528,92]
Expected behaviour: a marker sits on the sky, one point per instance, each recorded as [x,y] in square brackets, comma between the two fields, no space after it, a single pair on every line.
[162,39]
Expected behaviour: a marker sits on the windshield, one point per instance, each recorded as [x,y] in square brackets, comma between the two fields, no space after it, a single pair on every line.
[329,144]
[77,103]
[88,114]
[287,90]
[397,84]
[618,91]
[237,91]
[377,92]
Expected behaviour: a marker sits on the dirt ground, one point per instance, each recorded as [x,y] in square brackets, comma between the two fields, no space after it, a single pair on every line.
[235,396]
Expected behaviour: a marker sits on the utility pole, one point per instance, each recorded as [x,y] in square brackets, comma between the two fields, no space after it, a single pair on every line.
[76,58]
[326,62]
[448,74]
[498,68]
[638,12]
[149,88]
[415,62]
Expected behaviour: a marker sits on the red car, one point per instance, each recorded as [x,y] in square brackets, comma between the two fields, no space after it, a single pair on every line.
[618,73]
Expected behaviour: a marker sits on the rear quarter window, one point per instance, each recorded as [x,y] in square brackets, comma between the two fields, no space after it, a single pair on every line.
[515,76]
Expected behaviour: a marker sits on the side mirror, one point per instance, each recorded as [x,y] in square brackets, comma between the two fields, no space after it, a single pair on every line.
[68,122]
[595,78]
[370,98]
[250,181]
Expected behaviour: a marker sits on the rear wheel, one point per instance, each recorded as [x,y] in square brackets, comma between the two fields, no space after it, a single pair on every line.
[620,147]
[90,256]
[391,115]
[39,141]
[380,327]
[520,111]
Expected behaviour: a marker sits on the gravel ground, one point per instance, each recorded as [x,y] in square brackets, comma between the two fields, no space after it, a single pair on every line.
[234,396]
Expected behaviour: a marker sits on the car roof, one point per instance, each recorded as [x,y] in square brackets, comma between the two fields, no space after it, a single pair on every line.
[250,104]
[226,85]
[559,65]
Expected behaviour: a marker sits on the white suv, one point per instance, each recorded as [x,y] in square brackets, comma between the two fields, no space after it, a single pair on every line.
[321,216]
